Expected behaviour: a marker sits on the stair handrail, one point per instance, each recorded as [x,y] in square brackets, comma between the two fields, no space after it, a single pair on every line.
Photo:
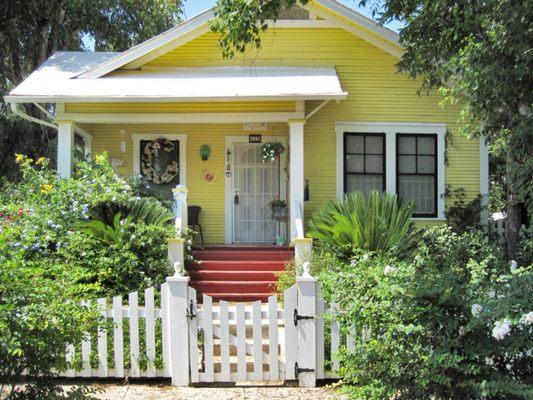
[298,219]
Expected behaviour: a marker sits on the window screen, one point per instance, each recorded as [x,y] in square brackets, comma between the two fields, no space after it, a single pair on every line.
[364,162]
[416,172]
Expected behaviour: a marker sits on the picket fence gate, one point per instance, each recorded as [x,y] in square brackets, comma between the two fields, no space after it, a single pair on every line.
[213,342]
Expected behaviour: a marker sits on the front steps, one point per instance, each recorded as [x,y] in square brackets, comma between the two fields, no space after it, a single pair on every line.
[235,273]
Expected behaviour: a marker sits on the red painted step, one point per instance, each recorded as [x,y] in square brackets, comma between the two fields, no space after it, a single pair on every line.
[267,287]
[238,265]
[207,275]
[236,297]
[243,255]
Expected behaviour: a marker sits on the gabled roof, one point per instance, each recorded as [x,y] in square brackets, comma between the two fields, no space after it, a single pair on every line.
[345,17]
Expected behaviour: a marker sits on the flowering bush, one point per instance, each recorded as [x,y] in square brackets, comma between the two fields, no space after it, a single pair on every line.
[455,321]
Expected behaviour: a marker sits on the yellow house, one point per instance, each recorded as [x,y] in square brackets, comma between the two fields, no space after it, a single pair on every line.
[323,89]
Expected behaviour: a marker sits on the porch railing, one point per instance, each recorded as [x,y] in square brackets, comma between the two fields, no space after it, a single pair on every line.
[180,208]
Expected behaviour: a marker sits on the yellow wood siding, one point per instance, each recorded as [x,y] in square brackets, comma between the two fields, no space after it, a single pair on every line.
[210,196]
[377,93]
[240,106]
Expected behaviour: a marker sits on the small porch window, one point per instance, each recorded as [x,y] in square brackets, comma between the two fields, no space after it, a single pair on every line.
[364,162]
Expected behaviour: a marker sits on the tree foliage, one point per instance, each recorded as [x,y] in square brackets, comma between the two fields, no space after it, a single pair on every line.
[31,31]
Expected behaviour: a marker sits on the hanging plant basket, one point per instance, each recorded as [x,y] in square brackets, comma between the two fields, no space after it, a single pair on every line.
[270,151]
[280,211]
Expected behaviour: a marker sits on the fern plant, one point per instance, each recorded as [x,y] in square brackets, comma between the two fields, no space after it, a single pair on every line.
[379,222]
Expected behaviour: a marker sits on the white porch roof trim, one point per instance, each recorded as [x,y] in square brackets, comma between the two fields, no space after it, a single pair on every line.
[55,81]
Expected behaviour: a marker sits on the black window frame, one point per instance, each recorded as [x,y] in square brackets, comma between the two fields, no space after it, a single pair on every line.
[435,174]
[345,153]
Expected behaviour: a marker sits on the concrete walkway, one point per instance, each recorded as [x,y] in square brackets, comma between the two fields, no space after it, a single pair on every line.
[156,392]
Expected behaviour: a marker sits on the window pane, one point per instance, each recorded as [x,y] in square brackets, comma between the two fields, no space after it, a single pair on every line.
[407,144]
[374,145]
[355,163]
[419,189]
[355,143]
[374,164]
[426,145]
[364,183]
[426,164]
[406,164]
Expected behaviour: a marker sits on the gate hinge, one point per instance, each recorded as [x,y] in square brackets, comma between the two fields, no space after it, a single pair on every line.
[297,370]
[190,311]
[299,317]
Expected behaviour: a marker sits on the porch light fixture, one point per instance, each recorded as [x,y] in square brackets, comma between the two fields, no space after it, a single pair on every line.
[306,190]
[123,140]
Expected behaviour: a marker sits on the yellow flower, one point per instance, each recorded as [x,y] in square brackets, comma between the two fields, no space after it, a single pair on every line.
[99,158]
[46,188]
[40,160]
[19,158]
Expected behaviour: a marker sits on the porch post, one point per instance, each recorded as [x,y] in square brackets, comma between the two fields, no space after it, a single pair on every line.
[296,171]
[65,148]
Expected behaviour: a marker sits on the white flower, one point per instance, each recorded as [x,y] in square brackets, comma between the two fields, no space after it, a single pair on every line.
[366,257]
[514,265]
[489,361]
[492,294]
[353,262]
[501,329]
[476,309]
[388,270]
[527,319]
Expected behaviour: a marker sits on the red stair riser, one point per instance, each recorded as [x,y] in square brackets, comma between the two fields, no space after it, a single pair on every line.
[244,266]
[207,275]
[267,287]
[228,255]
[232,297]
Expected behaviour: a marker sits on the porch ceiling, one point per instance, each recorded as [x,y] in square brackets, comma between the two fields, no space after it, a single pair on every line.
[56,81]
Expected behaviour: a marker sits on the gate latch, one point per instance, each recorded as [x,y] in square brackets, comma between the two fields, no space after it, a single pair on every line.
[299,317]
[297,370]
[190,311]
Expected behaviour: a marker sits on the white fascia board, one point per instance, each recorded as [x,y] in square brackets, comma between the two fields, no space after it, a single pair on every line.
[365,28]
[149,46]
[141,99]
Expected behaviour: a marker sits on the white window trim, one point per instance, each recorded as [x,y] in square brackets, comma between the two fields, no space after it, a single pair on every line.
[182,138]
[390,129]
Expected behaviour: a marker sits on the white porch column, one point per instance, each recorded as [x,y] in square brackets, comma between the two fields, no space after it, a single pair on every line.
[296,171]
[65,148]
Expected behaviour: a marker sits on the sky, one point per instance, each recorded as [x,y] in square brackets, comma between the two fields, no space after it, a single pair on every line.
[195,7]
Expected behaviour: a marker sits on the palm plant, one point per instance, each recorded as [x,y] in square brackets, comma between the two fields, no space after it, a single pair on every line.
[379,222]
[118,233]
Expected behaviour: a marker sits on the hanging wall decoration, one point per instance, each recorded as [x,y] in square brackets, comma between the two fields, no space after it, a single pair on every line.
[270,151]
[205,152]
[209,177]
[150,163]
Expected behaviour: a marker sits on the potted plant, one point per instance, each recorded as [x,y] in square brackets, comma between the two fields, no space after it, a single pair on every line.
[280,212]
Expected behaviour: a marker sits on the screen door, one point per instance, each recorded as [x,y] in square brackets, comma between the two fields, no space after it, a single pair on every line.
[254,185]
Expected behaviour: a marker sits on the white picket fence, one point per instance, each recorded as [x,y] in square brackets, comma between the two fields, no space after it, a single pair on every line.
[214,342]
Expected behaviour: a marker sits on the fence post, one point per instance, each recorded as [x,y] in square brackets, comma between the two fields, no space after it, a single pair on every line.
[176,252]
[302,252]
[177,326]
[306,321]
[180,208]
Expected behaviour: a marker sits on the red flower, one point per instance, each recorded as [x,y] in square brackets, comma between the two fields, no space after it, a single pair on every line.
[20,212]
[1,214]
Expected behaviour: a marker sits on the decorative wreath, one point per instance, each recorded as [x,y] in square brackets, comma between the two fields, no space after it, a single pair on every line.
[150,154]
[270,151]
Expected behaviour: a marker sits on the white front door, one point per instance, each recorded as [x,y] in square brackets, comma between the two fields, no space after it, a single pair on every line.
[254,184]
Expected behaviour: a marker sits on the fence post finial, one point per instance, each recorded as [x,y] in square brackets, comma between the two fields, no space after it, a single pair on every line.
[178,270]
[306,266]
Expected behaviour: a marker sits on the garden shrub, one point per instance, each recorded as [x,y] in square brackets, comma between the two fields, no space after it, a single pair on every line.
[453,322]
[378,222]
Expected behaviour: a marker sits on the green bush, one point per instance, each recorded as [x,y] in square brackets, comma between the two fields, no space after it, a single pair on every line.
[378,222]
[454,322]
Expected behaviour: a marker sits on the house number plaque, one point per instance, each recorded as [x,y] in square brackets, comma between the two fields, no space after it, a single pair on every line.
[254,138]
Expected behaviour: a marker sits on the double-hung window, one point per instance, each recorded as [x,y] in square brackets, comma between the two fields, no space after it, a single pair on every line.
[364,162]
[416,172]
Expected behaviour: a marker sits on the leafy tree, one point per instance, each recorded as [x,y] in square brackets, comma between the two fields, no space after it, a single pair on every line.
[478,53]
[31,32]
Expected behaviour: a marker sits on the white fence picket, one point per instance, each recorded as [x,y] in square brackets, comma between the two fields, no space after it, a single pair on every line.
[291,339]
[149,310]
[69,357]
[257,330]
[273,363]
[118,337]
[320,309]
[224,342]
[102,342]
[133,303]
[208,338]
[193,337]
[241,343]
[165,329]
[335,341]
[86,351]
